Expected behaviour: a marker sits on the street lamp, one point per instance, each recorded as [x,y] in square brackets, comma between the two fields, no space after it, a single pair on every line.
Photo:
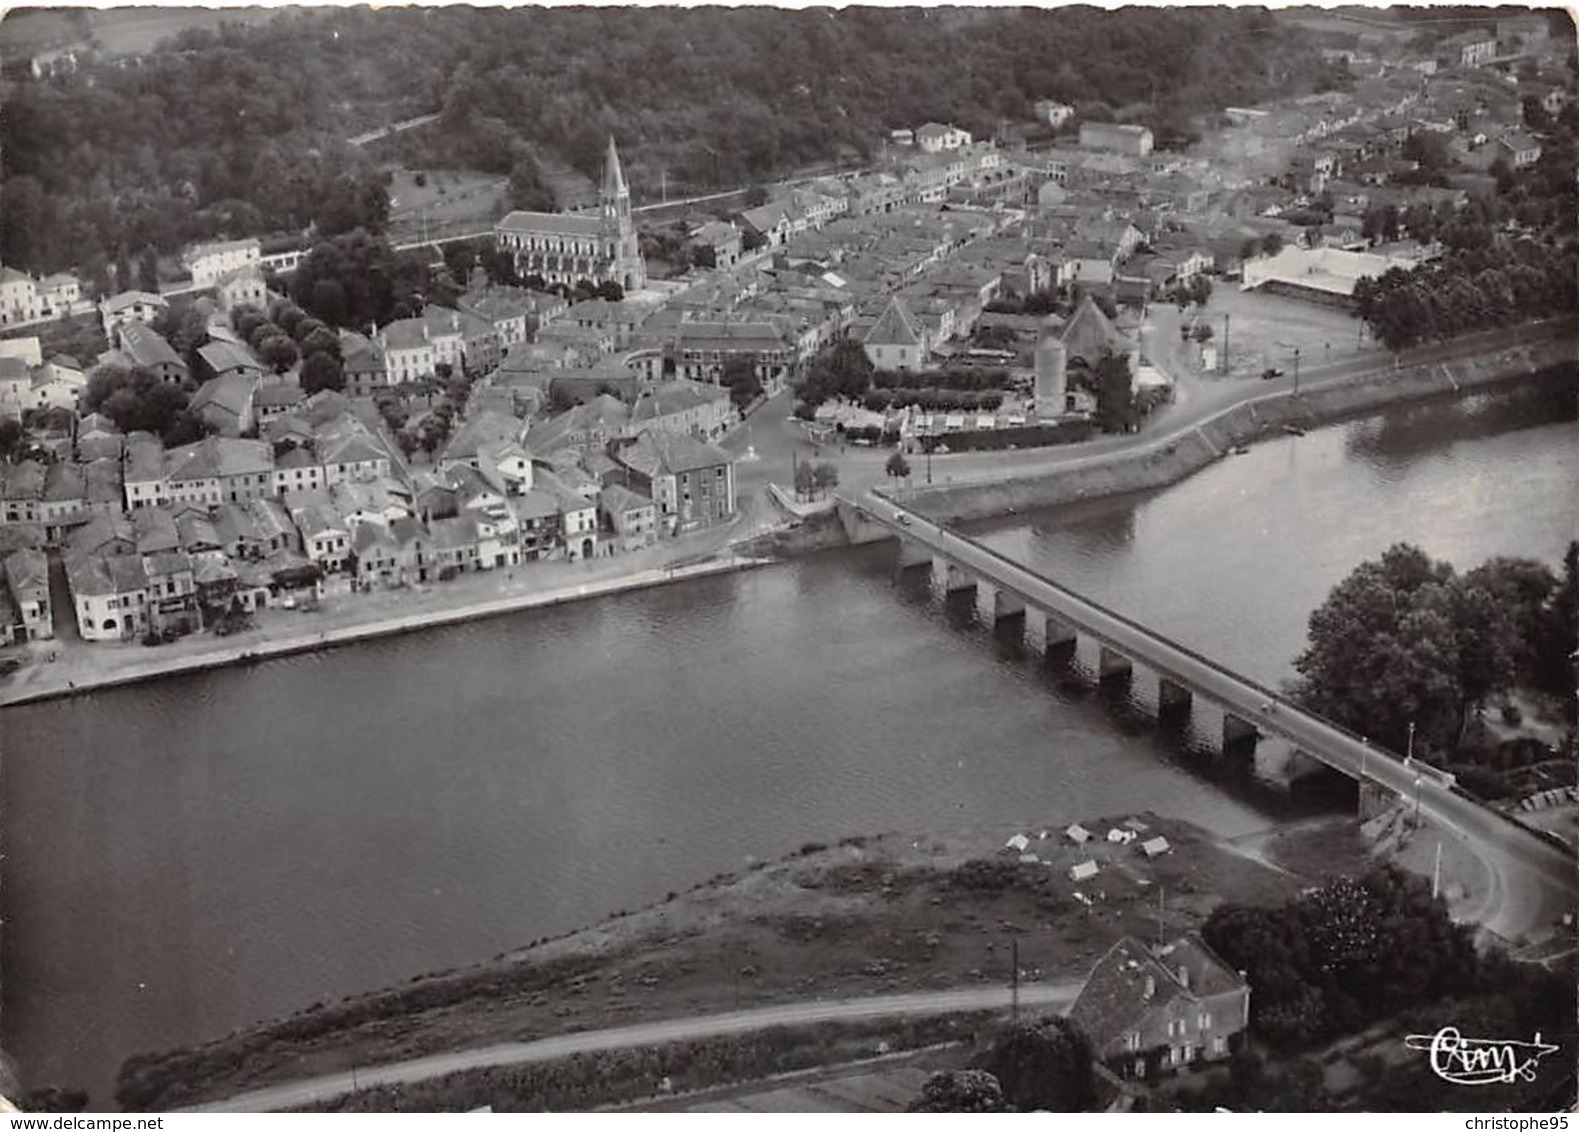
[1296,371]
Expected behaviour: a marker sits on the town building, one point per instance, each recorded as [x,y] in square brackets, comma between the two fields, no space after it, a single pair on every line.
[935,137]
[143,347]
[895,341]
[209,262]
[1055,114]
[1150,1011]
[691,483]
[1467,49]
[630,516]
[1133,140]
[27,575]
[129,306]
[569,247]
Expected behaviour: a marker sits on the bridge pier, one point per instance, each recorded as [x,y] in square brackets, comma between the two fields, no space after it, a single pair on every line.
[1239,736]
[1159,695]
[948,578]
[912,553]
[1101,663]
[993,603]
[1375,799]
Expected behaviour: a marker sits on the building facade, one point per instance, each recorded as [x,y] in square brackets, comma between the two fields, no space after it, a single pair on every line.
[566,247]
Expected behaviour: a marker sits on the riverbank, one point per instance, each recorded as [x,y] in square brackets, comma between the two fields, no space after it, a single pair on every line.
[1171,458]
[888,915]
[88,668]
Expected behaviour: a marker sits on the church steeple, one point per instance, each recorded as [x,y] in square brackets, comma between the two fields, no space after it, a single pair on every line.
[613,176]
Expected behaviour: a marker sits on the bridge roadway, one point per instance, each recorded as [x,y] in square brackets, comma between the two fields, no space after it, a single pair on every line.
[1533,880]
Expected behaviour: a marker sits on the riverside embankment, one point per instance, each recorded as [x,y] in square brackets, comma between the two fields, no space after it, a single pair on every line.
[50,681]
[1170,458]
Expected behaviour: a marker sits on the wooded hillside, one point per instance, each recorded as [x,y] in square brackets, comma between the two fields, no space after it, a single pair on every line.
[241,130]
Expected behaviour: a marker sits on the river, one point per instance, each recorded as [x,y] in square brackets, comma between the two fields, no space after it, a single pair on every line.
[188,856]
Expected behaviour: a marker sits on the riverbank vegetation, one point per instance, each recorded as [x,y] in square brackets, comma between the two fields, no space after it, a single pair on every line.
[1340,974]
[1407,648]
[591,1080]
[867,916]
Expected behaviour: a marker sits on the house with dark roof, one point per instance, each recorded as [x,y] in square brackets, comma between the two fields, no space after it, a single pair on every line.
[146,349]
[629,515]
[362,363]
[691,482]
[692,407]
[1149,1011]
[109,596]
[896,341]
[219,358]
[27,576]
[225,404]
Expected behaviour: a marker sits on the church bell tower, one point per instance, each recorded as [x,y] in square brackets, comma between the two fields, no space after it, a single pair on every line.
[627,268]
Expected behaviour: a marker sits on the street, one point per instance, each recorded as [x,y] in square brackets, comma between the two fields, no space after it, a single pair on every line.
[317,1089]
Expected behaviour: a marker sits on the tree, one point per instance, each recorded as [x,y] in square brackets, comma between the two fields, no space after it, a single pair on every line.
[805,480]
[740,378]
[960,1090]
[11,437]
[1404,640]
[321,371]
[840,369]
[897,467]
[322,340]
[136,400]
[1044,1064]
[277,351]
[1271,243]
[611,291]
[751,240]
[1116,410]
[824,477]
[756,196]
[1555,635]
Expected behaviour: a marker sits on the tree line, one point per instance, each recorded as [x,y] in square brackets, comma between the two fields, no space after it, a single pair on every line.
[1503,282]
[1408,642]
[241,130]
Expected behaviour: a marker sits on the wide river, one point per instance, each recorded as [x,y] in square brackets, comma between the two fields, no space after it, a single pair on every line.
[188,856]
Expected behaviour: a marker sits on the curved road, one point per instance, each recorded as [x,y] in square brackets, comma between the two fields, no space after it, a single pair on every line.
[315,1089]
[1533,881]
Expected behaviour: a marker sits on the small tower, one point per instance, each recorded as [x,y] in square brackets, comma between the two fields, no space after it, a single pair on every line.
[619,231]
[1052,362]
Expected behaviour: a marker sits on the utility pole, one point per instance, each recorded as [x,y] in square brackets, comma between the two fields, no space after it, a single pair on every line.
[1436,873]
[1014,979]
[1225,342]
[1296,371]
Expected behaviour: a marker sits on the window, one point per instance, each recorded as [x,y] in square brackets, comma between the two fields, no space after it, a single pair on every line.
[1132,1040]
[1203,1021]
[1219,1044]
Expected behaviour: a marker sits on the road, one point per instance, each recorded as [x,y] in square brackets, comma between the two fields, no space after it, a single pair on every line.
[1533,881]
[316,1089]
[778,441]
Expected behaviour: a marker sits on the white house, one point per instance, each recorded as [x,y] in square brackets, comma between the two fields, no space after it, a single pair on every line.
[209,262]
[934,137]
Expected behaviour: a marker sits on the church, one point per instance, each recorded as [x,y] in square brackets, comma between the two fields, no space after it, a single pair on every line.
[565,247]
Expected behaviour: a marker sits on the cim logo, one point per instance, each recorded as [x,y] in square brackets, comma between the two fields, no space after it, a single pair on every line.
[1480,1061]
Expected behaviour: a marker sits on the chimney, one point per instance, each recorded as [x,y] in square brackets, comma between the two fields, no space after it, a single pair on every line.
[1151,988]
[1184,976]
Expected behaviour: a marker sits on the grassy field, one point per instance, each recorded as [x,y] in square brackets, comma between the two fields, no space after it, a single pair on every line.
[446,201]
[867,916]
[114,31]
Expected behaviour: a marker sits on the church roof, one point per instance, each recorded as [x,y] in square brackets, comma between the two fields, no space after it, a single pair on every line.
[1090,335]
[553,224]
